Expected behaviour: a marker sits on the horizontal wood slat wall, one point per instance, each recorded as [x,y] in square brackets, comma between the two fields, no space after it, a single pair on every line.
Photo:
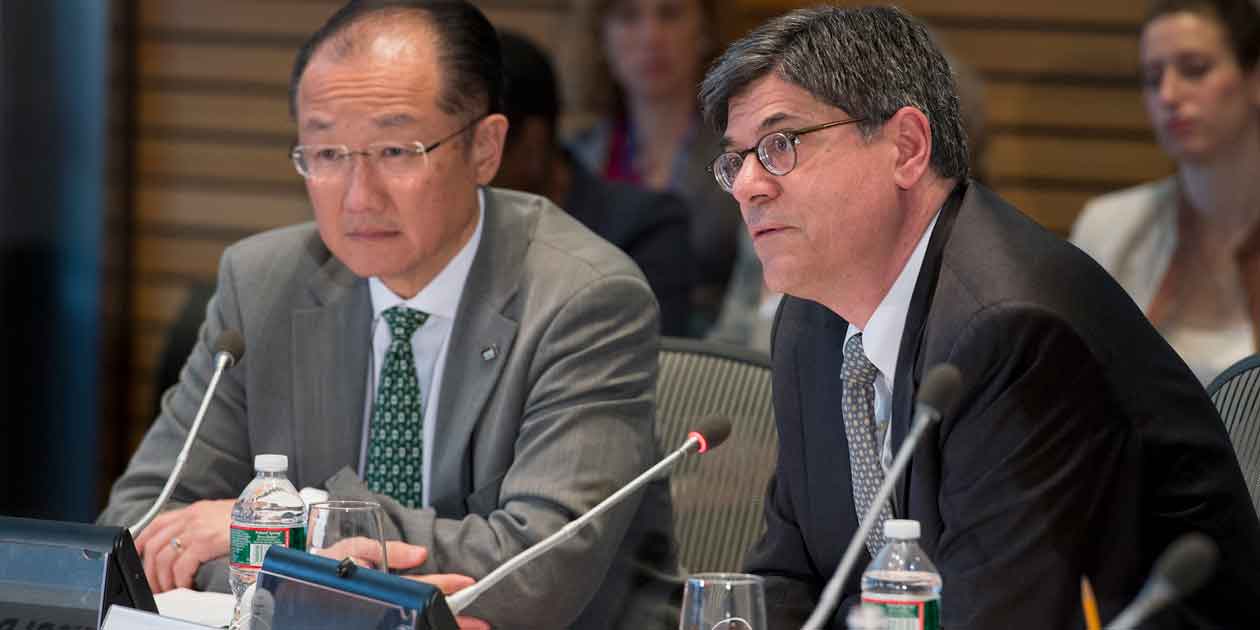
[213,128]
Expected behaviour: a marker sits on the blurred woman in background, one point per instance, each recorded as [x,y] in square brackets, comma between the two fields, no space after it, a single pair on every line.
[651,56]
[1187,248]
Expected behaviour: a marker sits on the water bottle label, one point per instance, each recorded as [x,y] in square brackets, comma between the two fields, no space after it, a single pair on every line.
[907,612]
[249,544]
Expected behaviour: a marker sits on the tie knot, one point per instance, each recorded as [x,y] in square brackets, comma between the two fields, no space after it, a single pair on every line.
[857,368]
[403,321]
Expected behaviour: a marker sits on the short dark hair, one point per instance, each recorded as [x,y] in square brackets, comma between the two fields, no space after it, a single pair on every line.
[529,86]
[1239,18]
[468,49]
[869,62]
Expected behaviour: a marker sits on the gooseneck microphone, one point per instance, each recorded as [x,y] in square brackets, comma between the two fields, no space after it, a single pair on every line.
[708,435]
[939,393]
[229,347]
[1183,567]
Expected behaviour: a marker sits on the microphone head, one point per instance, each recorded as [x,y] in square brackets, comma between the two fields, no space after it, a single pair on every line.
[712,431]
[1187,563]
[231,342]
[941,388]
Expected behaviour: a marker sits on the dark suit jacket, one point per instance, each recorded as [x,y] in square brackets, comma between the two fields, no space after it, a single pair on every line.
[1081,446]
[651,227]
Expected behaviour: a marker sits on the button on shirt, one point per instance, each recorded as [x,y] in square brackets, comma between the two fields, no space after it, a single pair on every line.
[882,340]
[440,299]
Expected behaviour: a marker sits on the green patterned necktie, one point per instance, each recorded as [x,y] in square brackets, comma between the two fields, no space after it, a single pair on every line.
[396,437]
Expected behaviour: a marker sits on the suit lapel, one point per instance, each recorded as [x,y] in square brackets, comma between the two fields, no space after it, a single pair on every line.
[480,341]
[820,360]
[330,371]
[909,366]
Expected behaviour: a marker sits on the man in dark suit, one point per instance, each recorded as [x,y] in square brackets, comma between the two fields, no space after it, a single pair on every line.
[652,227]
[1082,446]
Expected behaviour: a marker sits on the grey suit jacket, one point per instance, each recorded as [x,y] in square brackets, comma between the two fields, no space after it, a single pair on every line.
[529,436]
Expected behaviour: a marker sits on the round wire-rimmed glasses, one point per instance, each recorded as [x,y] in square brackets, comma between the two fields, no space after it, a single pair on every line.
[396,159]
[776,151]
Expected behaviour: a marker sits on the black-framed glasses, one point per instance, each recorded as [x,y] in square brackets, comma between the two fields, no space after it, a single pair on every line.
[776,151]
[396,159]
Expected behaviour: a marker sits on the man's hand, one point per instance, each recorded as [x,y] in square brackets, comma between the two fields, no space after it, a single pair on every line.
[177,542]
[404,556]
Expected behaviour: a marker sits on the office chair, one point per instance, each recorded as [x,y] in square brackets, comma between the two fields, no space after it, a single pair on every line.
[717,498]
[1236,394]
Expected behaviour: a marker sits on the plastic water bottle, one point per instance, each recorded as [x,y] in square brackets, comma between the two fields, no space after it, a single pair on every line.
[902,582]
[269,512]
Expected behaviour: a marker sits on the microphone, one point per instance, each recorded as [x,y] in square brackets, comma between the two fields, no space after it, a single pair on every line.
[708,435]
[1183,567]
[229,347]
[939,393]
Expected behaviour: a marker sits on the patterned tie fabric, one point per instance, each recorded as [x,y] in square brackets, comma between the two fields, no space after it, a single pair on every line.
[858,401]
[397,435]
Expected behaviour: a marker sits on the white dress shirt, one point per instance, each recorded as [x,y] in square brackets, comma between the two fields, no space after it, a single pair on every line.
[440,299]
[881,341]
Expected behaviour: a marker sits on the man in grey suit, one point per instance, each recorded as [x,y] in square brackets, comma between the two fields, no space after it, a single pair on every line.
[532,345]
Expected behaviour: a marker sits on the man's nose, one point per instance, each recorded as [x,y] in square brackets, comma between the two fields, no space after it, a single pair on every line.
[364,186]
[753,183]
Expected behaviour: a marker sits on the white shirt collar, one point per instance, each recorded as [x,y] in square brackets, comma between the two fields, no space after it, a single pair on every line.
[441,296]
[882,338]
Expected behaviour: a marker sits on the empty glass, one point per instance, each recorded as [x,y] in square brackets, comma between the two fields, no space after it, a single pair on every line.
[723,601]
[348,529]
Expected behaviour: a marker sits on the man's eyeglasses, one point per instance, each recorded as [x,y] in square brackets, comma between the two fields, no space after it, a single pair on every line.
[776,151]
[396,159]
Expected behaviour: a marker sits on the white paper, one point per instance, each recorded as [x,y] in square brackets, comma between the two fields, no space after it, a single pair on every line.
[211,609]
[124,618]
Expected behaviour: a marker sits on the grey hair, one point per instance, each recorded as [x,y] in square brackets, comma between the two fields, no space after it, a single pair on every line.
[869,62]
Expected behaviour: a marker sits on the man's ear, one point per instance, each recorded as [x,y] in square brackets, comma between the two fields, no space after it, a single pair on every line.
[487,150]
[911,133]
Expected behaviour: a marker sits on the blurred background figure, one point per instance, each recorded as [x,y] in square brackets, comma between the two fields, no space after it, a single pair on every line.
[652,54]
[650,226]
[748,309]
[1186,247]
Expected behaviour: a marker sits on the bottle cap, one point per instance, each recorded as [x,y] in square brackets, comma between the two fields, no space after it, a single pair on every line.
[904,529]
[271,463]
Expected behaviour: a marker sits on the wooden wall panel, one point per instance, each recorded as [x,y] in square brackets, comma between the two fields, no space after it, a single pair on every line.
[212,127]
[1031,104]
[1119,13]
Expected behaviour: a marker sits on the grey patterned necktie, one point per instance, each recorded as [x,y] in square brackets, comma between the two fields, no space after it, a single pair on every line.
[858,401]
[396,436]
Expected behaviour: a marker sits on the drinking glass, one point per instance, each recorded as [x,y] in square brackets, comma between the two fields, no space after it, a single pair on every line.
[348,529]
[723,601]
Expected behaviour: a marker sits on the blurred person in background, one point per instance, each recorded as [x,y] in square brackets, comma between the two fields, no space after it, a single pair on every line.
[650,226]
[1185,247]
[651,54]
